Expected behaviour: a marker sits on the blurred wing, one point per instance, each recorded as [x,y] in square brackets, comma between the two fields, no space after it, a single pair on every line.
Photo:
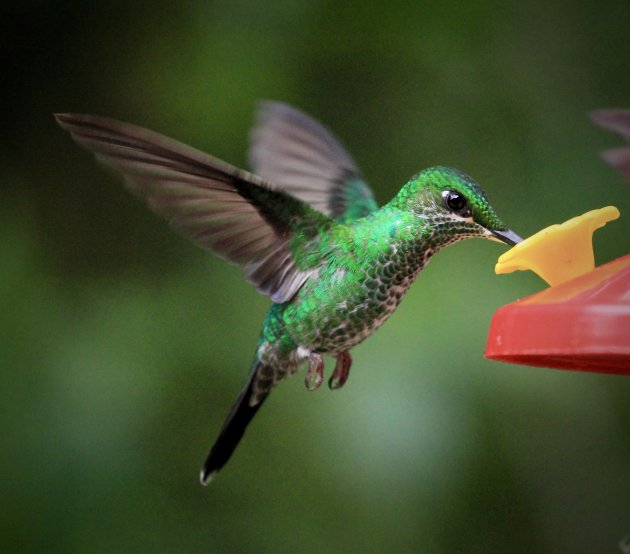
[617,121]
[300,156]
[221,208]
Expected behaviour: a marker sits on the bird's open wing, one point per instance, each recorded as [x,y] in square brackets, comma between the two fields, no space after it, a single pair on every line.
[233,213]
[618,121]
[300,156]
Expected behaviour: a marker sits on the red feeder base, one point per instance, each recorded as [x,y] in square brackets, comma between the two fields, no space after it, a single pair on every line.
[582,324]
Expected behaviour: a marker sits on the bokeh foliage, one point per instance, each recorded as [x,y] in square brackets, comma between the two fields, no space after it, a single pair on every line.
[122,346]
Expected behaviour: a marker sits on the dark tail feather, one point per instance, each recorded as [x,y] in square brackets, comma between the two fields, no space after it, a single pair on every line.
[232,431]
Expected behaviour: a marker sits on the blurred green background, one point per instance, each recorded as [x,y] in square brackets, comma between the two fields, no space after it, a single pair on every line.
[123,346]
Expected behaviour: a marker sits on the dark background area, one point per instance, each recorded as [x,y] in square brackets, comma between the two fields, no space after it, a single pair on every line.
[122,346]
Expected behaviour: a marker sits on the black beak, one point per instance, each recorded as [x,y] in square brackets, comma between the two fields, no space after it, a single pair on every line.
[508,236]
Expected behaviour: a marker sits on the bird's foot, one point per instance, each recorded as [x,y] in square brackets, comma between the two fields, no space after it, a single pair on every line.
[342,370]
[315,371]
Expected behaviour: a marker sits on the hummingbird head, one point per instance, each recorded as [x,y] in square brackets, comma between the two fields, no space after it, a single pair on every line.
[456,206]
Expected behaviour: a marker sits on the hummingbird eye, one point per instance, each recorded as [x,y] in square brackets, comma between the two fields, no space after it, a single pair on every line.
[456,202]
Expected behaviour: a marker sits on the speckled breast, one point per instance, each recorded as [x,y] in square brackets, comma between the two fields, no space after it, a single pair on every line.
[350,306]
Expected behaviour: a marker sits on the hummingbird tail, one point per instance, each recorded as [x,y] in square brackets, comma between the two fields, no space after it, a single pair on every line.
[233,428]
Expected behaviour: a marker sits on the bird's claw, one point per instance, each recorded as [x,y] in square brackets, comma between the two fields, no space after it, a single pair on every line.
[342,370]
[315,371]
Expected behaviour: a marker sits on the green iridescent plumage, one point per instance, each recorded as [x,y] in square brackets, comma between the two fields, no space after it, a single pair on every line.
[306,230]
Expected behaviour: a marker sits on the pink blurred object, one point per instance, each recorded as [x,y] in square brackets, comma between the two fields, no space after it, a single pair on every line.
[618,121]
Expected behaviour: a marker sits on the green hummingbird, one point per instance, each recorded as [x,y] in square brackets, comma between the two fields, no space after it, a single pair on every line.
[305,229]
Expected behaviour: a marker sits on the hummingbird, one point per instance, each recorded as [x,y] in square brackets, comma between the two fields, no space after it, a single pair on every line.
[306,231]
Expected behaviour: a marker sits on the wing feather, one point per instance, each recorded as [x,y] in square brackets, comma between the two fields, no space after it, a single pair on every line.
[231,212]
[303,158]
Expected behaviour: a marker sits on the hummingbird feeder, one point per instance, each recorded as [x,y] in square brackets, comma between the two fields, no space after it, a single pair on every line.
[582,322]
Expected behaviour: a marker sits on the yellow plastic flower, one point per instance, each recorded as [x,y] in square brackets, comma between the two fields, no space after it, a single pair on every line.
[559,252]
